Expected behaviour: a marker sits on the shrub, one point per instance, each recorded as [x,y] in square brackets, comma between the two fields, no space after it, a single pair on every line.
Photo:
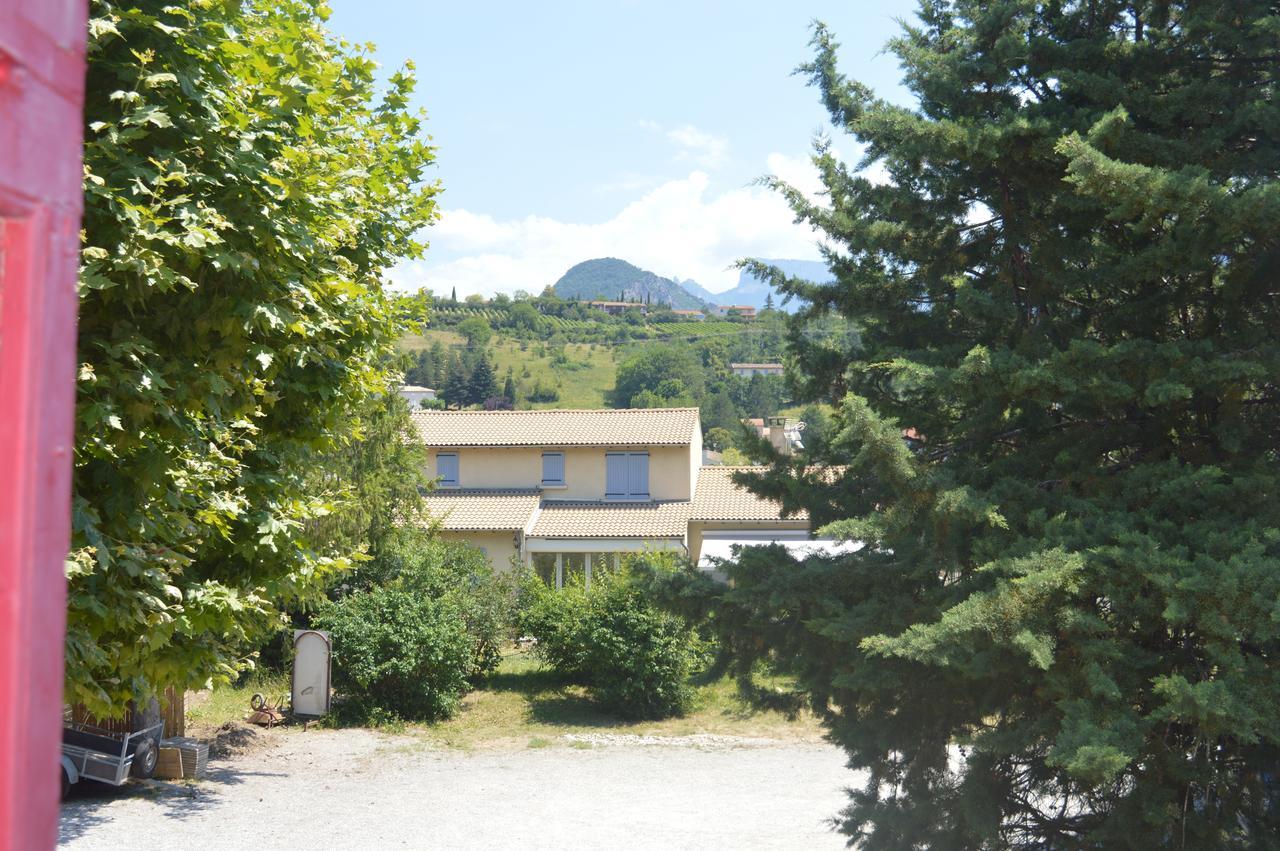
[457,573]
[634,657]
[557,620]
[398,651]
[542,393]
[639,657]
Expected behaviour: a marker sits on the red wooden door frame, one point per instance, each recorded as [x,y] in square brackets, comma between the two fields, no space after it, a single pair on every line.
[42,67]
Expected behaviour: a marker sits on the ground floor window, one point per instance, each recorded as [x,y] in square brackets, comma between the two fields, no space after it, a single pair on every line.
[557,569]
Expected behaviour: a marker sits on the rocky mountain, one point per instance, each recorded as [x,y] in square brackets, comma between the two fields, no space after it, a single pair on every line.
[753,291]
[611,279]
[697,290]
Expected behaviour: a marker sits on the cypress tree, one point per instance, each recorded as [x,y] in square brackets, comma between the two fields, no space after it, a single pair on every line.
[438,365]
[509,388]
[482,383]
[456,384]
[1061,631]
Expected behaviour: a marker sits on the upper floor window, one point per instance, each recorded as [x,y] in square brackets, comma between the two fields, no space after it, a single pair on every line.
[626,475]
[447,469]
[552,469]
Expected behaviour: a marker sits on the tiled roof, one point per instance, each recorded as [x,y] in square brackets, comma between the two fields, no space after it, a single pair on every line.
[718,498]
[629,427]
[612,520]
[478,510]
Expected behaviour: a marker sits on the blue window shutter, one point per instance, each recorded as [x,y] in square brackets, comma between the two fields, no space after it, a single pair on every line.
[615,474]
[447,469]
[638,475]
[553,468]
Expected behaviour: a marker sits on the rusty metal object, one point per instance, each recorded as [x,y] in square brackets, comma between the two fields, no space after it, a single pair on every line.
[265,714]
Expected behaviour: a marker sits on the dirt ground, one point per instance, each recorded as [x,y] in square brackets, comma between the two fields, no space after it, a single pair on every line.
[289,788]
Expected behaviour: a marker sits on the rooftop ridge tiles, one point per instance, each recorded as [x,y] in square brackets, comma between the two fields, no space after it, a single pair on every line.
[423,412]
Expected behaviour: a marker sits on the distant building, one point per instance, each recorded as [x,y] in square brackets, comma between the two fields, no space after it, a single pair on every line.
[747,370]
[784,434]
[696,315]
[414,395]
[617,308]
[740,311]
[568,492]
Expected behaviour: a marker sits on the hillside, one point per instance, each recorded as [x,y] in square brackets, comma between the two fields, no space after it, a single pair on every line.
[611,279]
[582,374]
[564,354]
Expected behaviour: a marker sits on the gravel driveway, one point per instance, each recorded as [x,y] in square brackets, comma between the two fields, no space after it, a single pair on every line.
[355,788]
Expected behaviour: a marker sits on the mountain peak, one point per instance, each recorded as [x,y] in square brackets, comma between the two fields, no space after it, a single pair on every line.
[612,279]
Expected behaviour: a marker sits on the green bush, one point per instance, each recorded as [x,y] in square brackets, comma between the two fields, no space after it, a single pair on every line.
[456,572]
[634,657]
[557,619]
[398,651]
[419,624]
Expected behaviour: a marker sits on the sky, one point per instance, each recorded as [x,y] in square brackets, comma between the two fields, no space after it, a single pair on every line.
[616,128]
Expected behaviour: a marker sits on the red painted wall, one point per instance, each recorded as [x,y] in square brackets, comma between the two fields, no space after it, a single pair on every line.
[42,66]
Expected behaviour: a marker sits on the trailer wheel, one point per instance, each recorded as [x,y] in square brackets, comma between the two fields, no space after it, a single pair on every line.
[66,782]
[145,758]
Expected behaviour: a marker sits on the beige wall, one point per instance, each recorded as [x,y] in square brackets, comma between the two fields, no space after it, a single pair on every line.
[671,469]
[695,458]
[698,530]
[499,546]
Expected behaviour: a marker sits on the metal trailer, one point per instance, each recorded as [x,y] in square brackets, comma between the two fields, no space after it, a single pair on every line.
[92,753]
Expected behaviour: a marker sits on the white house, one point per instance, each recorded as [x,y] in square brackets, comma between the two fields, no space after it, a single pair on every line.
[415,395]
[746,370]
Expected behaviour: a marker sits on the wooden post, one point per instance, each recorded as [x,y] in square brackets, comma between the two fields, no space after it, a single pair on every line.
[42,68]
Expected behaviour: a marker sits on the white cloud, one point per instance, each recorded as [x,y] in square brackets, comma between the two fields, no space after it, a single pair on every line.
[704,149]
[800,173]
[679,229]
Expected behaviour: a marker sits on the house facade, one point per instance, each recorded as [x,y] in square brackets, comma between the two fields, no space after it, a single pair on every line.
[415,395]
[567,491]
[617,308]
[746,370]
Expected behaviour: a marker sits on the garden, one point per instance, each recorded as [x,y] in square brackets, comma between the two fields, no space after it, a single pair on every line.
[430,638]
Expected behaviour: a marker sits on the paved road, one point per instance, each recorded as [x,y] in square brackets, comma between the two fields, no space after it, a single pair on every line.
[352,788]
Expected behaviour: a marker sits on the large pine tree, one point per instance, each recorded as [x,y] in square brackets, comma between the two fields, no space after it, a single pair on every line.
[1064,626]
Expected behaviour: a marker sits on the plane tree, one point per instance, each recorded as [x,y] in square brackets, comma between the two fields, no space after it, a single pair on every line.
[247,180]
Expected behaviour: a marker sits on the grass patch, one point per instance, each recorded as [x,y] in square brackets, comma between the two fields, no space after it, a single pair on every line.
[416,342]
[582,382]
[524,702]
[208,711]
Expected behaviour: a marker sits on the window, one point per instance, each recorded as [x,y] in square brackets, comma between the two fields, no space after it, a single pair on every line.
[544,564]
[626,475]
[560,569]
[573,568]
[447,469]
[552,469]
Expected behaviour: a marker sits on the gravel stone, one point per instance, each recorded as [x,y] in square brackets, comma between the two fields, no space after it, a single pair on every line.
[362,789]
